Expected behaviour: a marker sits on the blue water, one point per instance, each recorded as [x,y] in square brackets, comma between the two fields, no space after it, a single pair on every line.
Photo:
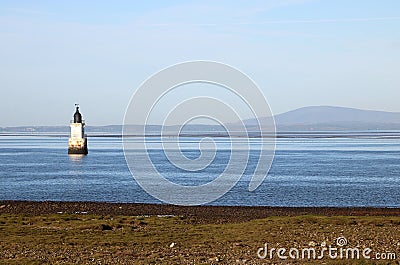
[305,172]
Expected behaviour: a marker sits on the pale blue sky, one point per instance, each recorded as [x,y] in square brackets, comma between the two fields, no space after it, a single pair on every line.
[300,52]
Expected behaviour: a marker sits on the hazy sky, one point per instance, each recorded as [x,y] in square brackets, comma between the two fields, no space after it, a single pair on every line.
[300,52]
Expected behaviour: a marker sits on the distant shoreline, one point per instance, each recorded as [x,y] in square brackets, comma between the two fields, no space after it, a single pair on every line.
[390,134]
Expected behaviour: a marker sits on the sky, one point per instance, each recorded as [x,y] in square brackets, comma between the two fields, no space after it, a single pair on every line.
[97,53]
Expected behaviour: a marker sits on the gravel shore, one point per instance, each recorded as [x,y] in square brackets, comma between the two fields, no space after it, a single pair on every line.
[198,214]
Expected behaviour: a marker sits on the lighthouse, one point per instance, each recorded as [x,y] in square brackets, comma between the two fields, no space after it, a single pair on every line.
[77,143]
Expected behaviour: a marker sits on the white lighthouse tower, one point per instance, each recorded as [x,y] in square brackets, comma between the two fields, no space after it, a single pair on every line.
[77,143]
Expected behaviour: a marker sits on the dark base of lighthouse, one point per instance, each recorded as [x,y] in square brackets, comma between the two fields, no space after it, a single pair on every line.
[78,150]
[77,147]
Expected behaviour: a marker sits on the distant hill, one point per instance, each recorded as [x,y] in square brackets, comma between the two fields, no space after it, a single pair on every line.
[329,118]
[337,118]
[327,114]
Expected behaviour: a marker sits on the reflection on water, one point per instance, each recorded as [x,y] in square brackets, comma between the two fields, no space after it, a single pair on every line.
[76,158]
[77,169]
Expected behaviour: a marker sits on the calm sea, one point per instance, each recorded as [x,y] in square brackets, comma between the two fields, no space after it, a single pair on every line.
[305,172]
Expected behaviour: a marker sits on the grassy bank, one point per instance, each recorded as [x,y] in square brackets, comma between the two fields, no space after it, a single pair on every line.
[96,239]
